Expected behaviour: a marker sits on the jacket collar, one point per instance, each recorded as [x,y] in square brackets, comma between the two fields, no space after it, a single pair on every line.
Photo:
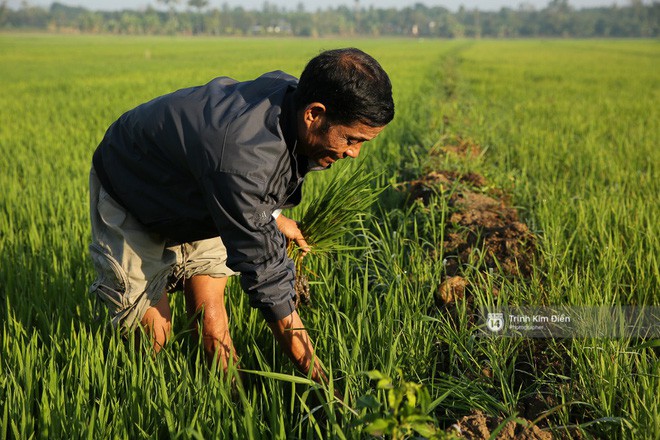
[288,123]
[288,120]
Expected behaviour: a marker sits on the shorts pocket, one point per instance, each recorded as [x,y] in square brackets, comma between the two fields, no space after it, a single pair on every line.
[111,283]
[110,211]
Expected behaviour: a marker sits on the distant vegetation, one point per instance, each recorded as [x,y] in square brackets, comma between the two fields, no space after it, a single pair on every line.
[195,17]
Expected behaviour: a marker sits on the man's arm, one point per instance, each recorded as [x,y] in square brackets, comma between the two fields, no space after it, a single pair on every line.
[292,337]
[290,332]
[255,246]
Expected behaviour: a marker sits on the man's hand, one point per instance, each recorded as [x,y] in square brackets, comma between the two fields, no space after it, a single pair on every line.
[290,333]
[291,231]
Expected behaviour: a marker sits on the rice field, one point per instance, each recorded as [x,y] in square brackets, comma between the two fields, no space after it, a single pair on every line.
[566,130]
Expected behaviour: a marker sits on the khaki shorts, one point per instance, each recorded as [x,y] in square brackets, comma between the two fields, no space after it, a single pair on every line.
[134,266]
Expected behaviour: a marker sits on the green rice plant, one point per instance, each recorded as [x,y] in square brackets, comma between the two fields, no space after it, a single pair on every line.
[338,209]
[569,127]
[334,214]
[575,147]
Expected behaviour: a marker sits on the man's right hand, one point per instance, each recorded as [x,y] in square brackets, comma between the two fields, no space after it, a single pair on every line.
[292,336]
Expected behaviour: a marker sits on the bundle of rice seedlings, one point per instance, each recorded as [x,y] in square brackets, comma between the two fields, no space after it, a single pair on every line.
[332,215]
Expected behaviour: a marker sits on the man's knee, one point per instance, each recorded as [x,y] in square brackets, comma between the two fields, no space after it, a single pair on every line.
[157,322]
[205,294]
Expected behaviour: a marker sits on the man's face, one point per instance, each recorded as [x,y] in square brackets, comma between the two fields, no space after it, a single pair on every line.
[326,143]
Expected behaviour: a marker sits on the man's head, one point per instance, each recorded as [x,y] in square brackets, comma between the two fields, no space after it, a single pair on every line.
[344,98]
[352,86]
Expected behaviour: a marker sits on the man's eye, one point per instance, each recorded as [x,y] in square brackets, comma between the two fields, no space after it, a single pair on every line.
[351,142]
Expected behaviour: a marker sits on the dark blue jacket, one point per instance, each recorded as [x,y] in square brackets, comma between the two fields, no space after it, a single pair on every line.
[215,160]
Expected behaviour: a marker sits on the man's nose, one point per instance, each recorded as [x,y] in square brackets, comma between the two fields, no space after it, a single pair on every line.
[353,151]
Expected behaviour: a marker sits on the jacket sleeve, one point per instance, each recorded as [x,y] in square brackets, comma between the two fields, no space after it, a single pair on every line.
[255,246]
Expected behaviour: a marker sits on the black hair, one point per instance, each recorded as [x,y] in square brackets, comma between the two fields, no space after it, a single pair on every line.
[352,86]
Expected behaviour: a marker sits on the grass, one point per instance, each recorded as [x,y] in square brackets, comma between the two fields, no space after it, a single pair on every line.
[569,127]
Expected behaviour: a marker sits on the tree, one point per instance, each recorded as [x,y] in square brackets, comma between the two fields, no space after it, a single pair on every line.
[198,26]
[198,4]
[559,18]
[4,13]
[170,4]
[172,24]
[557,15]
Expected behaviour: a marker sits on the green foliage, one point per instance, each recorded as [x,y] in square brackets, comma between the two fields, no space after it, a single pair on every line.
[406,413]
[338,209]
[555,20]
[569,128]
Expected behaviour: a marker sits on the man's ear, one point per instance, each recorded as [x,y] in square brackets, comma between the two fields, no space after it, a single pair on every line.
[314,113]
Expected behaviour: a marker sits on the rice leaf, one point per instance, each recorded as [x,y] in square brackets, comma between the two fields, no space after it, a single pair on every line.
[335,212]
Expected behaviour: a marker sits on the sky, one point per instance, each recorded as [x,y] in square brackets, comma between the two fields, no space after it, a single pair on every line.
[312,5]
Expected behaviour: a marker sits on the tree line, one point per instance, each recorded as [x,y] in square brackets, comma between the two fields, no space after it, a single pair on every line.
[195,17]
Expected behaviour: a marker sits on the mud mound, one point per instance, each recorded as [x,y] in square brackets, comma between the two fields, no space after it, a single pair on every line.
[442,181]
[458,146]
[482,230]
[480,222]
[478,426]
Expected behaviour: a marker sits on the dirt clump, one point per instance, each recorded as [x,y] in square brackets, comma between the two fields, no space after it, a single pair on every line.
[442,181]
[452,289]
[478,426]
[481,223]
[457,146]
[482,229]
[301,288]
[424,187]
[473,179]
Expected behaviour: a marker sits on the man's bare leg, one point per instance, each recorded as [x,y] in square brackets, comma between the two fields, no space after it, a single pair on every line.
[157,322]
[206,293]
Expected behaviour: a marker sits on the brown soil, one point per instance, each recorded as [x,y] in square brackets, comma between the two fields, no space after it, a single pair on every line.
[452,289]
[480,222]
[482,229]
[301,287]
[458,146]
[478,426]
[442,181]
